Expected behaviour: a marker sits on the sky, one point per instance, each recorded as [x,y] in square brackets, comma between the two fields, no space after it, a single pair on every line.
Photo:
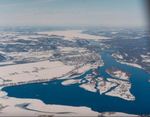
[72,13]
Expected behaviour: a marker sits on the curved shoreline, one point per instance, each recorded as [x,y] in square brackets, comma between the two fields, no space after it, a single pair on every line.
[35,107]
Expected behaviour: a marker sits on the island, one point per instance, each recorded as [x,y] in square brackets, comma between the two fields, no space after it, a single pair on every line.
[56,55]
[117,86]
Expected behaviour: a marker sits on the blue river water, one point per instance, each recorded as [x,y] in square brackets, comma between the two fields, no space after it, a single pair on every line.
[55,93]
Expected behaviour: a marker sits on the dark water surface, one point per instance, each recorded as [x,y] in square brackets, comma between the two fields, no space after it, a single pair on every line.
[55,93]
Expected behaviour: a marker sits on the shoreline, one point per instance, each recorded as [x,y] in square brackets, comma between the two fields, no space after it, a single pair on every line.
[11,102]
[44,71]
[34,105]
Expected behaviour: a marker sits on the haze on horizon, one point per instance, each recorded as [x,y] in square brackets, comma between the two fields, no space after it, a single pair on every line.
[72,13]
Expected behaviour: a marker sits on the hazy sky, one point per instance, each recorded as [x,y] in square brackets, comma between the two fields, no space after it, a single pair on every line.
[72,12]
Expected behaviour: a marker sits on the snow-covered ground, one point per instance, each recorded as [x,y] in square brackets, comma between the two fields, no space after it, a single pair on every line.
[73,34]
[45,70]
[15,74]
[33,107]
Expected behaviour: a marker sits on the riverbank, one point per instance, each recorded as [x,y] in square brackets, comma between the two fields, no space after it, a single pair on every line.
[34,107]
[34,73]
[28,73]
